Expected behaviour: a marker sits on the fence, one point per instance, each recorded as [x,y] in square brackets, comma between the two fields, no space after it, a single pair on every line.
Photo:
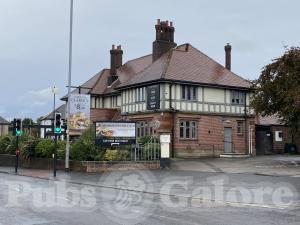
[149,151]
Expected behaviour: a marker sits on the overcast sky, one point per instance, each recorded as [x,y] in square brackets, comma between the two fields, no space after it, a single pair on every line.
[34,39]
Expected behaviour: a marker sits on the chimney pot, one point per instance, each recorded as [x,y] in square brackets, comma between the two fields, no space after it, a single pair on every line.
[171,24]
[119,47]
[228,56]
[113,47]
[164,39]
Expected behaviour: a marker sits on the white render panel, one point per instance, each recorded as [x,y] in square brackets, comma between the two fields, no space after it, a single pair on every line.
[178,105]
[233,109]
[214,95]
[167,91]
[107,102]
[183,106]
[199,90]
[227,109]
[228,100]
[119,100]
[194,107]
[200,106]
[178,94]
[93,102]
[205,107]
[222,108]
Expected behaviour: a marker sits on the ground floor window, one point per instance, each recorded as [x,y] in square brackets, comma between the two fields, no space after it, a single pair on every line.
[188,129]
[143,128]
[240,127]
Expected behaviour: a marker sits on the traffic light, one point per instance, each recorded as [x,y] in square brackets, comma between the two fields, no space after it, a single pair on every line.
[18,127]
[57,123]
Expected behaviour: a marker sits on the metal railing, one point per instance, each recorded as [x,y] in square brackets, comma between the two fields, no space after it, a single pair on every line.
[149,151]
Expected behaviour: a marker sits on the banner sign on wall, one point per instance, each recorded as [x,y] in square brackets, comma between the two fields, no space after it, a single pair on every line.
[79,116]
[115,133]
[153,97]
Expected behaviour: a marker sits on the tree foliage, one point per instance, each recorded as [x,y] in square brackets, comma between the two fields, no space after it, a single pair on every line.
[277,90]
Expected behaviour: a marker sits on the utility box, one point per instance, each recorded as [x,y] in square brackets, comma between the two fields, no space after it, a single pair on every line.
[165,140]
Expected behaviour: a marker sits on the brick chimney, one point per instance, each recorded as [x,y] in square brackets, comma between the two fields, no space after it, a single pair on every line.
[228,56]
[115,63]
[164,38]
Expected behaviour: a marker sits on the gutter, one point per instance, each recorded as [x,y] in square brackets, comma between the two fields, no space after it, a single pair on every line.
[162,80]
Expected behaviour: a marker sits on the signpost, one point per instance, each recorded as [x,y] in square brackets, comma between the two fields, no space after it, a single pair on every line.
[153,97]
[115,133]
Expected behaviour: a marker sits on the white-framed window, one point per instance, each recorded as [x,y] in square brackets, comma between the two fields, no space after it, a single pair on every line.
[140,94]
[143,128]
[188,92]
[188,129]
[237,97]
[240,127]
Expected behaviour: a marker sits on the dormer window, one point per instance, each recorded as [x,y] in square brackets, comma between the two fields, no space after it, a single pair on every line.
[188,92]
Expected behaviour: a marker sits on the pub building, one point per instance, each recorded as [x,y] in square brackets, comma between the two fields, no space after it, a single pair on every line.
[178,90]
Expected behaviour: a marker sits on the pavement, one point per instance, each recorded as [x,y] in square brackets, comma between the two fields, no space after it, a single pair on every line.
[260,190]
[273,165]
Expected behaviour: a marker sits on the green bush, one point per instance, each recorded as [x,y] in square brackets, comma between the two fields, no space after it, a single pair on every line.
[61,149]
[44,148]
[28,148]
[116,155]
[8,145]
[84,147]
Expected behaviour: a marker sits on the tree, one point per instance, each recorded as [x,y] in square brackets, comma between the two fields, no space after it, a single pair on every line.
[39,120]
[277,90]
[27,121]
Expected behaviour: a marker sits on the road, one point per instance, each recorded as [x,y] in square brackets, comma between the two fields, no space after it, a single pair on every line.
[146,198]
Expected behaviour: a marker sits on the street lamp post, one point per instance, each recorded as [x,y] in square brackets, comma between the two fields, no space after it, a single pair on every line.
[55,91]
[69,88]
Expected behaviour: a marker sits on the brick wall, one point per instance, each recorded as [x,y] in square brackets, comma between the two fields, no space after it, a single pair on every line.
[210,133]
[210,136]
[278,146]
[103,114]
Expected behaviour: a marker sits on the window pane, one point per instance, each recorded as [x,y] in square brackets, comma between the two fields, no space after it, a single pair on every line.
[194,93]
[183,91]
[181,132]
[138,132]
[187,132]
[188,93]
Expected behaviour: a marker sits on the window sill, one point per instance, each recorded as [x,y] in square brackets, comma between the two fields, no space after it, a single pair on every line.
[188,139]
[192,100]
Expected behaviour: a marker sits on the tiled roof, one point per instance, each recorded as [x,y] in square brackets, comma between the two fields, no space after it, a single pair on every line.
[61,109]
[125,73]
[186,63]
[269,120]
[3,121]
[87,86]
[183,63]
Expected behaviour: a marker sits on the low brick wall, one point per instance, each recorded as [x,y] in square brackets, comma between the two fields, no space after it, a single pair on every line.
[81,166]
[39,163]
[94,166]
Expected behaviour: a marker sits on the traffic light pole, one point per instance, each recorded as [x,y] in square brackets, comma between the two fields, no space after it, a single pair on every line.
[17,155]
[55,156]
